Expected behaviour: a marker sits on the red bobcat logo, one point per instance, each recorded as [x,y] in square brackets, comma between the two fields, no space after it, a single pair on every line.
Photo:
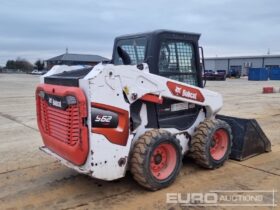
[185,91]
[178,90]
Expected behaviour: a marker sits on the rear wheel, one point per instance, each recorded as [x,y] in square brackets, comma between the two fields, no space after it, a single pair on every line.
[211,143]
[156,159]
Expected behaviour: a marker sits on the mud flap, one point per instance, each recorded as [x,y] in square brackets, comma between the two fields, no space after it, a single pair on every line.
[248,138]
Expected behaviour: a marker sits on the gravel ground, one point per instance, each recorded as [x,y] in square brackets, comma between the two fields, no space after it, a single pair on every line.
[29,179]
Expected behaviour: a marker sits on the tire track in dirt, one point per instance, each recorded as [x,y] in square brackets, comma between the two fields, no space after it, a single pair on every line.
[10,117]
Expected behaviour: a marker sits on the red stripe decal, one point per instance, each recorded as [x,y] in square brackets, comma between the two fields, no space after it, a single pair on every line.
[152,98]
[117,135]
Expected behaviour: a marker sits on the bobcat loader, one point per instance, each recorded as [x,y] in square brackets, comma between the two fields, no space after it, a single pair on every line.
[141,112]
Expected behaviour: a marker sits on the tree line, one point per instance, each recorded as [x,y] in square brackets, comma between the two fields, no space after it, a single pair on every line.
[24,65]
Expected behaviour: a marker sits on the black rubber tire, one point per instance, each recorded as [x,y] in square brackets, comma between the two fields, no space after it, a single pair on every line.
[201,143]
[142,153]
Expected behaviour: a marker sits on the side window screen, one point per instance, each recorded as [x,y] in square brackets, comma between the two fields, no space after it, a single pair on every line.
[176,61]
[135,48]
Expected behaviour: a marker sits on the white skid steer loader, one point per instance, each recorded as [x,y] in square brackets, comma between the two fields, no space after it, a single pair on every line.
[142,111]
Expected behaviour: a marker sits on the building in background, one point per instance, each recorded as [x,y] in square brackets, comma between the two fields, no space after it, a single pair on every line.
[242,63]
[74,59]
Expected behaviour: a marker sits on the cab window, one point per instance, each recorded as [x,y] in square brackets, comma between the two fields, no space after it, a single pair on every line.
[135,48]
[177,61]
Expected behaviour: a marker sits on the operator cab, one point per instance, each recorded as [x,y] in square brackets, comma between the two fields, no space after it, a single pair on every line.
[170,54]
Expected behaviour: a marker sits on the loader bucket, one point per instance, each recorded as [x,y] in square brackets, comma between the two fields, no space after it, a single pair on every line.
[248,138]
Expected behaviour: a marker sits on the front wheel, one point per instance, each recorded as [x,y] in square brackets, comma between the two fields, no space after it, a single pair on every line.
[211,143]
[156,159]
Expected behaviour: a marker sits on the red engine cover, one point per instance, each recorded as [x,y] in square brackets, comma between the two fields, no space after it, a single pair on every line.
[63,130]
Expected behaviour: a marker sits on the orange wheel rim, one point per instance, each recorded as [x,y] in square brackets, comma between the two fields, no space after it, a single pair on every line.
[163,161]
[219,144]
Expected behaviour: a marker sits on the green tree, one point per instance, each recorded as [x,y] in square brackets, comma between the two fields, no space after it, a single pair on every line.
[39,64]
[19,64]
[10,64]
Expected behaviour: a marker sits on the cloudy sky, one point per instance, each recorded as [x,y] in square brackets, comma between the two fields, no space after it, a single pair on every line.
[34,29]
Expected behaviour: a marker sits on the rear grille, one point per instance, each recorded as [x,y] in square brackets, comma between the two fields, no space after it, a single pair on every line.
[63,125]
[61,116]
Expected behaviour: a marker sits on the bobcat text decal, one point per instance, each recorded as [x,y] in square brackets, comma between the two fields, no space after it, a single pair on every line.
[54,102]
[185,91]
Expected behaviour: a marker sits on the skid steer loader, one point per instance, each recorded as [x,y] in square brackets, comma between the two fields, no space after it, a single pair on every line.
[142,111]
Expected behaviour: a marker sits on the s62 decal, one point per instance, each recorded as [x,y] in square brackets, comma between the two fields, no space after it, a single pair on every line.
[103,118]
[185,91]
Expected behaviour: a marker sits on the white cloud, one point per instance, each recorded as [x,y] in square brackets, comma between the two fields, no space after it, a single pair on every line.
[41,29]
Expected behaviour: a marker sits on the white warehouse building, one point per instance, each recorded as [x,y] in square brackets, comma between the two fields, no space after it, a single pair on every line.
[242,63]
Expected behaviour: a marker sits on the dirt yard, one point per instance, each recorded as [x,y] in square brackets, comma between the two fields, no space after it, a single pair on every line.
[30,179]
